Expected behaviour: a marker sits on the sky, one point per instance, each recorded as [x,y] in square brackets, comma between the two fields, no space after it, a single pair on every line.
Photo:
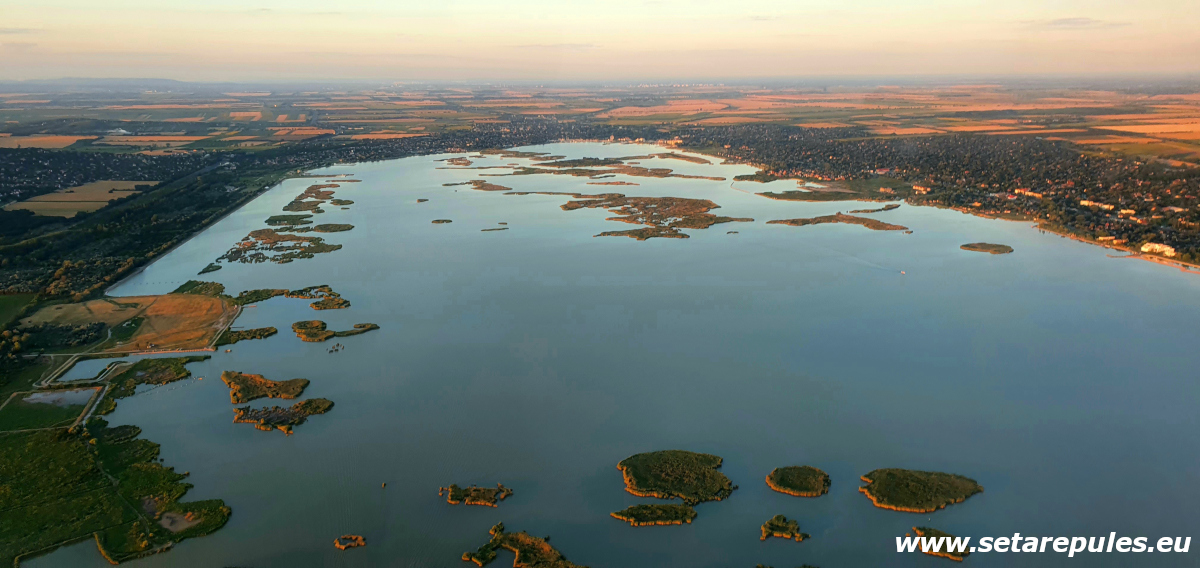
[596,40]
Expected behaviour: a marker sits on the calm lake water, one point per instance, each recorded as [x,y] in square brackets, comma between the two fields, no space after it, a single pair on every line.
[1063,380]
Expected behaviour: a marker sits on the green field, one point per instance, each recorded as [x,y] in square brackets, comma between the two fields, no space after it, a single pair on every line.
[11,306]
[21,415]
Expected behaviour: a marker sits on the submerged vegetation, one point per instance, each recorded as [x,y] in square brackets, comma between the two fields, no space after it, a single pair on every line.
[650,515]
[671,474]
[780,526]
[917,491]
[473,495]
[801,481]
[531,551]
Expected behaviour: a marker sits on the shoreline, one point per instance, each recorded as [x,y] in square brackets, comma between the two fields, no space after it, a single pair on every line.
[1183,266]
[200,230]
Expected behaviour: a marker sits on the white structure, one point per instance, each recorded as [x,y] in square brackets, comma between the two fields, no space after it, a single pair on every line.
[1159,249]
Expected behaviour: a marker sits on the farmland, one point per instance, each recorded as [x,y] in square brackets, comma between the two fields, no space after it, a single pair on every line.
[88,197]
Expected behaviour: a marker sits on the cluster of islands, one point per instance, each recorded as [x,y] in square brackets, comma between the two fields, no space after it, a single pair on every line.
[663,217]
[282,242]
[693,478]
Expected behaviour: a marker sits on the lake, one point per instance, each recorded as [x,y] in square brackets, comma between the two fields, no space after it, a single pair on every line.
[1062,380]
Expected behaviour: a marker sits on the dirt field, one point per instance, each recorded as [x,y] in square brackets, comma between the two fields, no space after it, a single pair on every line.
[384,136]
[46,141]
[1182,127]
[156,141]
[172,321]
[691,106]
[87,197]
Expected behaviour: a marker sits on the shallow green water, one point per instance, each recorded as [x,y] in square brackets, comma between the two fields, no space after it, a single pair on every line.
[1061,379]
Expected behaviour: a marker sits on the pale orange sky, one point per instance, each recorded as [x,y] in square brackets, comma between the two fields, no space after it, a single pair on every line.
[611,40]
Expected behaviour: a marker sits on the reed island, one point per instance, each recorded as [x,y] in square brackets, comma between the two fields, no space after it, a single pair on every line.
[917,491]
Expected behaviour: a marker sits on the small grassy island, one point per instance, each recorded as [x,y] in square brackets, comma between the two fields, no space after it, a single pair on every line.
[934,533]
[671,474]
[332,228]
[987,247]
[651,515]
[280,418]
[888,207]
[289,220]
[880,188]
[311,330]
[531,551]
[917,491]
[442,221]
[662,216]
[873,224]
[276,245]
[482,185]
[326,298]
[245,387]
[319,195]
[486,496]
[349,541]
[212,267]
[799,480]
[780,526]
[229,337]
[314,330]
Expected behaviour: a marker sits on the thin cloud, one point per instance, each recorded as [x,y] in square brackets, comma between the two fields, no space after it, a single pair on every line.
[562,46]
[18,31]
[18,46]
[1080,23]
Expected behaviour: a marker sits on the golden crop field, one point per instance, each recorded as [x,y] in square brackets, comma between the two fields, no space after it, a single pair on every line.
[87,197]
[48,141]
